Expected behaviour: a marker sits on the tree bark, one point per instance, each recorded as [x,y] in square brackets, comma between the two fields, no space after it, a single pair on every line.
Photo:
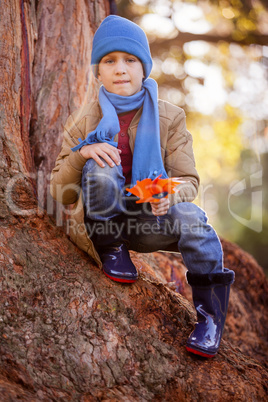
[68,333]
[61,79]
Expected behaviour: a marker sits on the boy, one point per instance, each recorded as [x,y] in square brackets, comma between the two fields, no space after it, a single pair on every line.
[130,135]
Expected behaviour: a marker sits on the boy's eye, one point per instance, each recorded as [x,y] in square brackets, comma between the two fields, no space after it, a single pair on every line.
[108,61]
[131,60]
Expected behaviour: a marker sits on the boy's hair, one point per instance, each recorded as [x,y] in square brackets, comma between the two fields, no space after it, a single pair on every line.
[117,34]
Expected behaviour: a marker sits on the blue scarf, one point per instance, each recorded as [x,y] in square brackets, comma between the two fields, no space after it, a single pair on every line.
[147,161]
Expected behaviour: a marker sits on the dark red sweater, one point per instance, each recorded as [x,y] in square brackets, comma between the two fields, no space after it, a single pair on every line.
[123,144]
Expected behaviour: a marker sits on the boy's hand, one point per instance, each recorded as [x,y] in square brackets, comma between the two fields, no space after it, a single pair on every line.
[100,151]
[161,207]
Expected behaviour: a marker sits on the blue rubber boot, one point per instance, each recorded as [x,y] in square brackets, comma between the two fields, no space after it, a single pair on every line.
[210,297]
[113,251]
[117,264]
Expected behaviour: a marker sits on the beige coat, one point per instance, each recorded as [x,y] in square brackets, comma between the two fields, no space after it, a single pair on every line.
[176,150]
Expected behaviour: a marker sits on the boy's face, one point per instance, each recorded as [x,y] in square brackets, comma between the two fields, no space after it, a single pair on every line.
[121,73]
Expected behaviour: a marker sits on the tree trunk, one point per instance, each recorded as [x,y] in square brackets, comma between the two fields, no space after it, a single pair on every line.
[61,79]
[68,333]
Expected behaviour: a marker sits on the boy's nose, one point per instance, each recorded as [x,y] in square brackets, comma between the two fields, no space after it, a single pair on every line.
[120,67]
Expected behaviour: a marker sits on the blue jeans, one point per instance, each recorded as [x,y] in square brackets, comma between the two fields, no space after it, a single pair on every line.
[183,229]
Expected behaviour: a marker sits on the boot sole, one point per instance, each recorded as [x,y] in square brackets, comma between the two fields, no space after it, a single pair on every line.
[198,352]
[122,280]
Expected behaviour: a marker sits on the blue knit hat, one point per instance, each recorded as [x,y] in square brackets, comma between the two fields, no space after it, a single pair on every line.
[117,34]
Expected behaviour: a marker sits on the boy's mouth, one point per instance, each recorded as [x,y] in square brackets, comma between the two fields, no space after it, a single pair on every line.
[121,82]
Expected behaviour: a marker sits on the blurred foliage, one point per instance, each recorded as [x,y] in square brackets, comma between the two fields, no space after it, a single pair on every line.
[211,138]
[210,59]
[242,21]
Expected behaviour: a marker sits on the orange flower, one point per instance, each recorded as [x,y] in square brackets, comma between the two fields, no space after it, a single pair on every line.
[149,190]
